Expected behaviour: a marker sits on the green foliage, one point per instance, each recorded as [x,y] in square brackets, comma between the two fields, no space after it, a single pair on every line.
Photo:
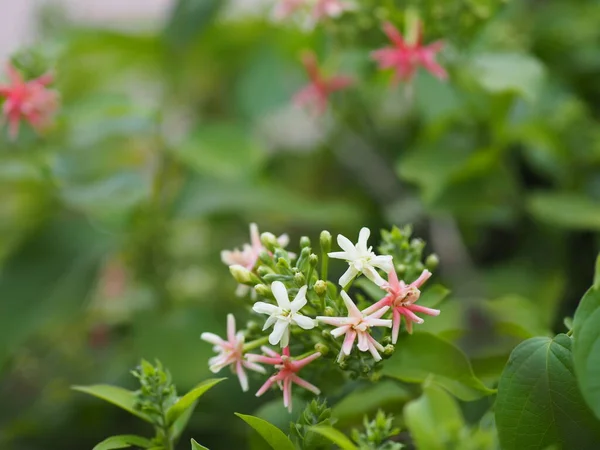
[189,400]
[196,446]
[422,355]
[539,403]
[118,396]
[276,439]
[316,413]
[335,436]
[376,433]
[124,441]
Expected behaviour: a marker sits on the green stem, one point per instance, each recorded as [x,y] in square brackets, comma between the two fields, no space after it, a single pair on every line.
[324,265]
[255,343]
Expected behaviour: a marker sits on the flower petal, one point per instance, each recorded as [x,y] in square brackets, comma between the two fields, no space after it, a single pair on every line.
[269,322]
[348,342]
[363,238]
[305,384]
[239,370]
[253,366]
[340,331]
[339,255]
[212,338]
[346,245]
[265,308]
[303,322]
[363,343]
[348,276]
[281,295]
[353,311]
[278,332]
[231,328]
[299,300]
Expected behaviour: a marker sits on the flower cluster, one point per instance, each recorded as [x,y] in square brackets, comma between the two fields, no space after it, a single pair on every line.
[301,304]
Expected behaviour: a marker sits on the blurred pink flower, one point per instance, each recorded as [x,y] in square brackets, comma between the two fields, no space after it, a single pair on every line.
[402,298]
[286,8]
[31,101]
[288,369]
[329,8]
[358,325]
[404,58]
[248,256]
[231,353]
[315,95]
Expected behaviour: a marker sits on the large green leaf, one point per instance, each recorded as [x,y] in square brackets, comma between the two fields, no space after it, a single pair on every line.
[571,211]
[270,433]
[196,446]
[335,436]
[123,441]
[423,355]
[435,420]
[116,395]
[539,403]
[586,348]
[189,399]
[188,20]
[509,72]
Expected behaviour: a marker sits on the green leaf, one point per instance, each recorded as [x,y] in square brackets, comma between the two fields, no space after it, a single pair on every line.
[509,72]
[196,446]
[270,433]
[586,348]
[423,355]
[188,20]
[223,150]
[123,441]
[189,399]
[565,210]
[118,396]
[597,273]
[433,296]
[180,424]
[539,404]
[335,436]
[435,420]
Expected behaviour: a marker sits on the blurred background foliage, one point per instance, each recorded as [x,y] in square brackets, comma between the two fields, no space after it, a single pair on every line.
[171,140]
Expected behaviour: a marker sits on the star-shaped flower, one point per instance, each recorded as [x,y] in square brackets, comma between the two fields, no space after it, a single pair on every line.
[361,259]
[284,314]
[287,374]
[402,298]
[30,101]
[315,95]
[231,353]
[404,57]
[358,324]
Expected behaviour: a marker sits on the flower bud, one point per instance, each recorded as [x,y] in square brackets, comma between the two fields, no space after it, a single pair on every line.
[243,275]
[417,244]
[266,258]
[283,263]
[323,349]
[343,364]
[320,288]
[269,241]
[329,311]
[375,377]
[432,261]
[313,259]
[401,269]
[325,241]
[263,290]
[299,279]
[388,350]
[304,241]
[386,340]
[263,270]
[325,333]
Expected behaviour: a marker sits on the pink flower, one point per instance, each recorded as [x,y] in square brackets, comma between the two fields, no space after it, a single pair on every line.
[288,369]
[248,256]
[286,8]
[30,101]
[231,353]
[402,298]
[357,325]
[404,58]
[316,94]
[329,8]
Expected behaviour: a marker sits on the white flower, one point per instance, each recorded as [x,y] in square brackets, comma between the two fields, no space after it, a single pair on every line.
[284,314]
[361,259]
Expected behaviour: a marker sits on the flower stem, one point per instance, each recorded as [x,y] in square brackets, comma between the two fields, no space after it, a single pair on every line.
[255,343]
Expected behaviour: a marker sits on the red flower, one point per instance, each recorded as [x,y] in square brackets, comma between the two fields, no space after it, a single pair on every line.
[404,58]
[316,94]
[28,100]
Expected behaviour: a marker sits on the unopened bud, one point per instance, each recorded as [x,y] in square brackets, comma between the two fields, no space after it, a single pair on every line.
[386,340]
[269,241]
[263,270]
[323,349]
[401,268]
[432,261]
[388,350]
[243,275]
[320,288]
[283,263]
[266,258]
[304,241]
[343,365]
[417,244]
[325,333]
[329,311]
[263,290]
[299,279]
[313,259]
[375,377]
[325,241]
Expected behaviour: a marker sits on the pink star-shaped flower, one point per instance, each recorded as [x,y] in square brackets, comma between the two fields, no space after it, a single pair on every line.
[358,324]
[316,94]
[31,101]
[404,58]
[287,374]
[231,353]
[402,298]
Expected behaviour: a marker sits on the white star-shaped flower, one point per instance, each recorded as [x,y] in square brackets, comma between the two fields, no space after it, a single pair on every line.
[284,314]
[361,259]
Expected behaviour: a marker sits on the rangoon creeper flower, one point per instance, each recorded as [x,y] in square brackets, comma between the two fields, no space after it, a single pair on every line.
[315,96]
[404,57]
[319,9]
[31,101]
[402,298]
[287,374]
[361,259]
[248,255]
[357,325]
[284,314]
[329,8]
[231,353]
